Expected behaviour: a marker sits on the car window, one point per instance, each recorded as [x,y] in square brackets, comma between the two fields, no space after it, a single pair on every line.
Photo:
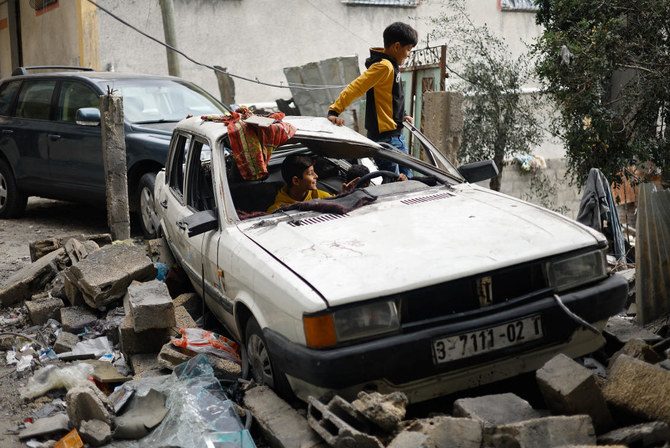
[177,167]
[35,99]
[200,188]
[74,96]
[7,92]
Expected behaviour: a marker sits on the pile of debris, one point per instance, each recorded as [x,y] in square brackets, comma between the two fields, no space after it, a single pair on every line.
[92,324]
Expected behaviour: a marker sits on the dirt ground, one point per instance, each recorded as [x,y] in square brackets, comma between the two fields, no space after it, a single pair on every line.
[43,219]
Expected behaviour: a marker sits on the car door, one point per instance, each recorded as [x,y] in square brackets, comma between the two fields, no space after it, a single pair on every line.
[75,151]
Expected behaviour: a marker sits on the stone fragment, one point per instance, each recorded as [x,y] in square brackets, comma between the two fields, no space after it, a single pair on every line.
[171,356]
[87,403]
[340,424]
[65,342]
[414,439]
[149,341]
[493,410]
[570,388]
[192,302]
[623,330]
[224,368]
[638,388]
[642,435]
[105,274]
[95,432]
[30,279]
[384,410]
[183,319]
[40,248]
[637,348]
[149,305]
[159,251]
[57,286]
[71,290]
[74,318]
[453,432]
[42,310]
[546,432]
[279,422]
[59,423]
[145,365]
[78,250]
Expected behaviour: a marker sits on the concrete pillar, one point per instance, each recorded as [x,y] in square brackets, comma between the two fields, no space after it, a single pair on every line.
[167,10]
[442,121]
[114,157]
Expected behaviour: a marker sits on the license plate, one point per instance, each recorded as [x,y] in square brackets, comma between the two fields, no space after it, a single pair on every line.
[487,340]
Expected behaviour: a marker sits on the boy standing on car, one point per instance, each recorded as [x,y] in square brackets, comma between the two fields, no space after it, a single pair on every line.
[385,100]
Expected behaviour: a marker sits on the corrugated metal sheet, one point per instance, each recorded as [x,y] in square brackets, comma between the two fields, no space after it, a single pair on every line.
[652,253]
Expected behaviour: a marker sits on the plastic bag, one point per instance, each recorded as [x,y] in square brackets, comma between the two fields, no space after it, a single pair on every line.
[203,341]
[51,377]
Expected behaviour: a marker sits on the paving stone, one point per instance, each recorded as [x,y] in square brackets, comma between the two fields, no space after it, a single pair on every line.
[150,306]
[65,342]
[42,310]
[637,348]
[547,432]
[149,341]
[493,410]
[105,274]
[279,422]
[30,279]
[642,435]
[87,403]
[570,388]
[340,424]
[191,301]
[384,410]
[638,388]
[95,432]
[452,432]
[73,319]
[623,330]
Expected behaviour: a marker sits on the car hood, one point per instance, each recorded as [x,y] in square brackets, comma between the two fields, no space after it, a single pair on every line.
[415,240]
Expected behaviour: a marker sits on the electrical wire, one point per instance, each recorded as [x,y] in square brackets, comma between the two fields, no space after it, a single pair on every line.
[201,64]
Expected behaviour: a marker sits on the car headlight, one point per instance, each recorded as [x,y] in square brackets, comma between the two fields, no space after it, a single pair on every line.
[347,324]
[575,271]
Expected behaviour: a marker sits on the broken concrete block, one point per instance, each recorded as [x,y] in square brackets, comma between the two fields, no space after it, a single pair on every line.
[340,424]
[40,248]
[623,330]
[546,432]
[171,356]
[105,274]
[639,389]
[57,286]
[145,365]
[73,319]
[30,279]
[58,424]
[65,342]
[493,410]
[77,250]
[183,318]
[447,431]
[643,435]
[71,290]
[637,348]
[148,341]
[159,251]
[87,403]
[414,439]
[384,410]
[570,388]
[95,432]
[42,310]
[150,306]
[280,423]
[192,302]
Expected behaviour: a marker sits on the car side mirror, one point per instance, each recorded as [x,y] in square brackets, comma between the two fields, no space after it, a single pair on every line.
[88,116]
[200,222]
[478,171]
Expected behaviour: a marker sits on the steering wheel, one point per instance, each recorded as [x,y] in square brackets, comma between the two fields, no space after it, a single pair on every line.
[374,174]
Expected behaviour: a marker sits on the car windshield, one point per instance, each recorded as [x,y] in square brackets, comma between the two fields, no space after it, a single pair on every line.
[163,100]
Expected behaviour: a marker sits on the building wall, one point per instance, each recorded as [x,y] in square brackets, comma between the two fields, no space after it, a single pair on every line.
[5,46]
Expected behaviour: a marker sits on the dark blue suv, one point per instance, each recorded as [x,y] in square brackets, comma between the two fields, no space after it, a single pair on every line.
[50,135]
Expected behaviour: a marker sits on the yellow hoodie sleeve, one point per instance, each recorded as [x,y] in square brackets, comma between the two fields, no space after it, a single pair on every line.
[376,73]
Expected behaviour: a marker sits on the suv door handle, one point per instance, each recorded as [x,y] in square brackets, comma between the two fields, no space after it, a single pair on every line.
[7,131]
[54,136]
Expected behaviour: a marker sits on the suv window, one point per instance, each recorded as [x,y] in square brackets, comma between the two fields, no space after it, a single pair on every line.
[35,99]
[7,92]
[74,96]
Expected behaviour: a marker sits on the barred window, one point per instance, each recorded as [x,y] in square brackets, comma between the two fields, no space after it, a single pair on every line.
[517,5]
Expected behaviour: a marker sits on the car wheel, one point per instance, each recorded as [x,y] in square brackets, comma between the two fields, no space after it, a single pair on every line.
[262,368]
[12,201]
[146,202]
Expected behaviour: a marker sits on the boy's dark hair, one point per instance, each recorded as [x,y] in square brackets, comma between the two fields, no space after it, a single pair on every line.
[400,32]
[295,165]
[355,171]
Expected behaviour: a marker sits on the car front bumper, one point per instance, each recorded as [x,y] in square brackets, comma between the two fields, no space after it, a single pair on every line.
[405,361]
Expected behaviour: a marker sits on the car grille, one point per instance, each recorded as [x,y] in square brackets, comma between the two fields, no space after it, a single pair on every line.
[468,294]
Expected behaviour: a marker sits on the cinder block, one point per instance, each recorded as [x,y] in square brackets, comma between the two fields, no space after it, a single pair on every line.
[494,410]
[340,424]
[65,342]
[171,356]
[547,432]
[446,431]
[73,319]
[149,341]
[150,306]
[42,310]
[570,388]
[192,302]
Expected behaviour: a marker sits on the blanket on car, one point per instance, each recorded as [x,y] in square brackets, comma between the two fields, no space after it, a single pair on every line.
[338,205]
[252,144]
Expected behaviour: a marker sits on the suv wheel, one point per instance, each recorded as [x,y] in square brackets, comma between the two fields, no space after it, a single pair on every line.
[12,201]
[146,202]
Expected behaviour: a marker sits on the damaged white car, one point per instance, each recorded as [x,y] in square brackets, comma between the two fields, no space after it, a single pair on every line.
[426,286]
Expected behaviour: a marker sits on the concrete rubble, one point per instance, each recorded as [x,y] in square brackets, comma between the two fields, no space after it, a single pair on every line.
[87,300]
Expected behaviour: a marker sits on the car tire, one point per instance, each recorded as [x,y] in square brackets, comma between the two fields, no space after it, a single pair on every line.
[145,201]
[12,200]
[263,369]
